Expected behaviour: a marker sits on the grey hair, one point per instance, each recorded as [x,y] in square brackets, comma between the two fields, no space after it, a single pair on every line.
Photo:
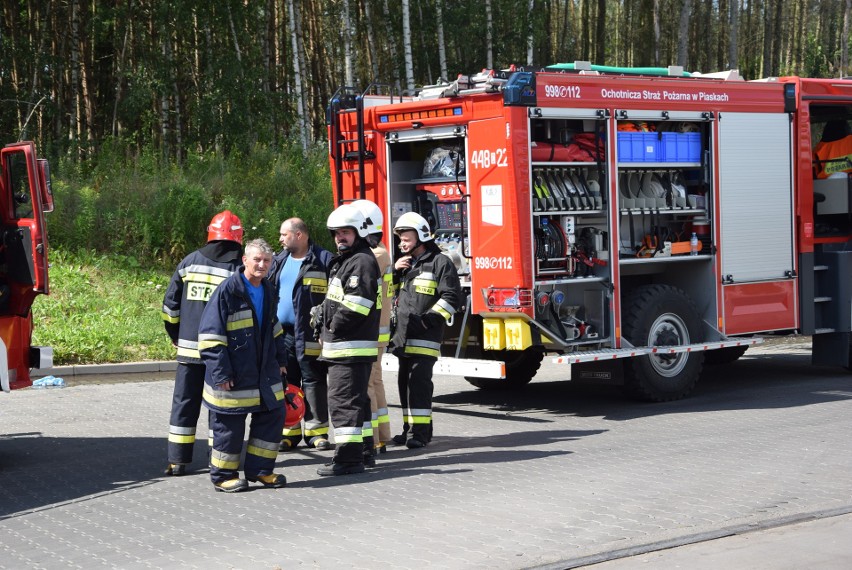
[260,245]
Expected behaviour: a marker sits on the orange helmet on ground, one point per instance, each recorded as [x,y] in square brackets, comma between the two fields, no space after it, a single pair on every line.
[225,226]
[294,405]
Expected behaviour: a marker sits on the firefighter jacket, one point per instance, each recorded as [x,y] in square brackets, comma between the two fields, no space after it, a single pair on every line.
[235,348]
[386,293]
[833,156]
[309,291]
[350,318]
[429,295]
[194,280]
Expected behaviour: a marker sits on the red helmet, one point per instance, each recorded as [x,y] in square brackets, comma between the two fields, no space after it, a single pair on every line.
[294,405]
[226,226]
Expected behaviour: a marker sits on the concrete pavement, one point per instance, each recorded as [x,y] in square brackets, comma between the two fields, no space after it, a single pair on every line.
[557,476]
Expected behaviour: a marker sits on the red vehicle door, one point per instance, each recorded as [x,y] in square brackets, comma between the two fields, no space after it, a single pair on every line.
[23,248]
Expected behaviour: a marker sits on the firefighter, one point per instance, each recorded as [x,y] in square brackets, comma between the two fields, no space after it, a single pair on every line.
[300,275]
[194,280]
[349,332]
[380,420]
[242,344]
[428,296]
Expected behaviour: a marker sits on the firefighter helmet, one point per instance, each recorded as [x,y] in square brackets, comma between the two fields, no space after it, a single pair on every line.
[347,216]
[373,215]
[416,222]
[225,226]
[294,405]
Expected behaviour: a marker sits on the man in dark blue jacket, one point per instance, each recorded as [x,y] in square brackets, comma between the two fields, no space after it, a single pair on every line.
[300,276]
[242,345]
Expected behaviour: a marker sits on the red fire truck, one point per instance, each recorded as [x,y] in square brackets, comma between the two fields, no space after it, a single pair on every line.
[635,224]
[25,196]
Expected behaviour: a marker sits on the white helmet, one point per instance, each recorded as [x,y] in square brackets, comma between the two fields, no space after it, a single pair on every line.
[373,215]
[416,222]
[347,216]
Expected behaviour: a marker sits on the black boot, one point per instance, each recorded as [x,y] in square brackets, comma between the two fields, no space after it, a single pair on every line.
[400,439]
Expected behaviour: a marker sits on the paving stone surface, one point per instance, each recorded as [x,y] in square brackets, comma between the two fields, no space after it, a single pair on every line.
[556,475]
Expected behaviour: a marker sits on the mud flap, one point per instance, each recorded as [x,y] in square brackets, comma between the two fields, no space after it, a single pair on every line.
[831,349]
[609,372]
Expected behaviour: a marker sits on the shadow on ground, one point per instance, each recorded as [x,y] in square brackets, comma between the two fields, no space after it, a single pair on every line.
[753,382]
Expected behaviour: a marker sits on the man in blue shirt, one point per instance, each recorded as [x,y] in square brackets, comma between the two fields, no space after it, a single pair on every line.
[300,276]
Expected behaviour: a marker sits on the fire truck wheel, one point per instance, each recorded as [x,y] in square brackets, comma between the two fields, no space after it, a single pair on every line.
[521,366]
[724,355]
[661,315]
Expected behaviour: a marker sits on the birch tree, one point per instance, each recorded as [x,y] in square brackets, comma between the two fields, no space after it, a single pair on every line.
[348,76]
[530,7]
[442,48]
[844,41]
[294,28]
[489,43]
[406,43]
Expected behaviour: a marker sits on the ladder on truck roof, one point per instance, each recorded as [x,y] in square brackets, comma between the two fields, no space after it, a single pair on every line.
[346,151]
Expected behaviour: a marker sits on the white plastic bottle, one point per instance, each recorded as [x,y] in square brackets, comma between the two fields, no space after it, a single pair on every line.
[693,244]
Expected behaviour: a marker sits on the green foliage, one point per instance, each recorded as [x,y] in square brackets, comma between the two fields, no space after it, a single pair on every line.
[123,222]
[155,212]
[102,309]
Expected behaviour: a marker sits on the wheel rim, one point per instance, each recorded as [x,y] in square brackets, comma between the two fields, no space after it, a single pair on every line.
[668,330]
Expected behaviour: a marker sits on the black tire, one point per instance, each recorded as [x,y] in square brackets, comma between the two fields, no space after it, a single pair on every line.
[521,366]
[661,315]
[724,355]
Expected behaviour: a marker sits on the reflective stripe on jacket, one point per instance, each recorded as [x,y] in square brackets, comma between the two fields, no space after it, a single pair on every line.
[192,284]
[236,349]
[386,295]
[833,157]
[428,296]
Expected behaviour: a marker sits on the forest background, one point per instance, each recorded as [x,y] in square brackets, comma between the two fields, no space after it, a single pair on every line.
[155,114]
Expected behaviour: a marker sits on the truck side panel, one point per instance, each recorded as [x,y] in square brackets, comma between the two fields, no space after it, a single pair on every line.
[501,256]
[756,222]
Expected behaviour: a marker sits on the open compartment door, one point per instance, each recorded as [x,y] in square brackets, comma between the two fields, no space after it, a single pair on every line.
[23,248]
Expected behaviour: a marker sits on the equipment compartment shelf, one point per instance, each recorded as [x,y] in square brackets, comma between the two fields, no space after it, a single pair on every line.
[670,259]
[658,165]
[570,280]
[565,212]
[688,212]
[435,180]
[539,164]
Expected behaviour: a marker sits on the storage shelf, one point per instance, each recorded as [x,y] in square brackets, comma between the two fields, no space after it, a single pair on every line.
[690,211]
[671,259]
[570,280]
[538,164]
[565,212]
[435,180]
[657,165]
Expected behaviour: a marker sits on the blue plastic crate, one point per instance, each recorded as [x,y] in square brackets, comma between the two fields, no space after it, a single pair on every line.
[638,147]
[650,147]
[681,147]
[625,150]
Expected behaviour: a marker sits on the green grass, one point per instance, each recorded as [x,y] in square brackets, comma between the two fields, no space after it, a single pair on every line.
[102,309]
